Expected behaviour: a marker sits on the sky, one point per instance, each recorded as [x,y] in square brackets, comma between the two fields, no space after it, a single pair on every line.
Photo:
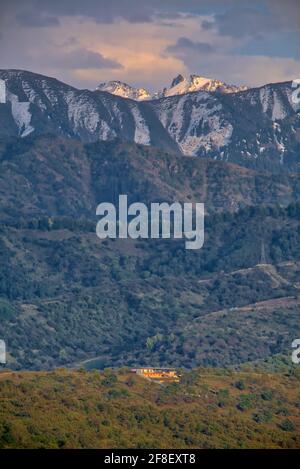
[148,43]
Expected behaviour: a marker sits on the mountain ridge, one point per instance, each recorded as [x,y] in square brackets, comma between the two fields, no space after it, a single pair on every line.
[64,168]
[179,85]
[257,127]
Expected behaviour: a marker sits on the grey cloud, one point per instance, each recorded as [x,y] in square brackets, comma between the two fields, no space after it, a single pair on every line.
[184,44]
[80,59]
[242,21]
[104,11]
[207,25]
[246,19]
[47,12]
[287,10]
[36,20]
[100,11]
[233,22]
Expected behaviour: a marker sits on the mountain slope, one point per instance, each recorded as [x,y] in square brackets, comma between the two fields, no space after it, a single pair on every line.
[116,409]
[38,104]
[52,176]
[259,127]
[66,296]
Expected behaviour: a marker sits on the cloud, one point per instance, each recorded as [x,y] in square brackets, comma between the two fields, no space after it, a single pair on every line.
[100,11]
[278,44]
[103,11]
[99,40]
[242,69]
[270,28]
[271,16]
[207,25]
[240,22]
[33,19]
[46,12]
[288,11]
[184,44]
[77,59]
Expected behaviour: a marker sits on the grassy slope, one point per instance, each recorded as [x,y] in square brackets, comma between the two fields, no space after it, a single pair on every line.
[209,408]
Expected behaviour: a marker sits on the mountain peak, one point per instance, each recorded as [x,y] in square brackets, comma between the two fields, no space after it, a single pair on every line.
[119,88]
[177,80]
[181,85]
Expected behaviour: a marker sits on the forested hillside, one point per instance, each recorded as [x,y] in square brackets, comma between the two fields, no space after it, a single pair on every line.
[66,296]
[50,176]
[210,408]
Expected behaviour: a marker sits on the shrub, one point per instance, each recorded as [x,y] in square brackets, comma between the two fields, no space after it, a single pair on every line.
[287,426]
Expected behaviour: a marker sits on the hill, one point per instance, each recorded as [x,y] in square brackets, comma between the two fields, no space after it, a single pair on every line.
[210,408]
[52,176]
[67,297]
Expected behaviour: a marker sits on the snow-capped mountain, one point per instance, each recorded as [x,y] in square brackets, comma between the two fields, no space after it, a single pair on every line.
[39,104]
[179,85]
[182,85]
[126,91]
[258,126]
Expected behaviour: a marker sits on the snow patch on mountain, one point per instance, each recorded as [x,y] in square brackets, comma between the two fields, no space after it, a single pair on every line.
[142,133]
[279,111]
[21,114]
[272,103]
[278,140]
[265,98]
